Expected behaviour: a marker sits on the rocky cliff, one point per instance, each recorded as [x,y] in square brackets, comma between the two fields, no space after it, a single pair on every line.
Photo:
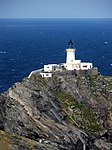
[58,113]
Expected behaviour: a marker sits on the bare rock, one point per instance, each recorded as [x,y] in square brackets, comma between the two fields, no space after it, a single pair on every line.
[62,112]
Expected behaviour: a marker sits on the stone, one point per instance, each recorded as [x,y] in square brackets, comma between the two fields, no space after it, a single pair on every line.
[62,112]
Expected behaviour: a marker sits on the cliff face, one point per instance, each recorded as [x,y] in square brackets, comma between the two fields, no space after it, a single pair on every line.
[58,113]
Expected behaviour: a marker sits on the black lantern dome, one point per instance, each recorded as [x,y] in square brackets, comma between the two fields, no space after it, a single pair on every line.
[70,44]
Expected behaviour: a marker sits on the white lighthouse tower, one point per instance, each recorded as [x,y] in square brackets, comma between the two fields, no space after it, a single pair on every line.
[70,53]
[70,58]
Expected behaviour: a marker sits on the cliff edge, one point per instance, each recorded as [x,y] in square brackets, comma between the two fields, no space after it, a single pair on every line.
[58,113]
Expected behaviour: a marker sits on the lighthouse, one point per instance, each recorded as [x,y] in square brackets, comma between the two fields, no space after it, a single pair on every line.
[70,53]
[70,56]
[72,64]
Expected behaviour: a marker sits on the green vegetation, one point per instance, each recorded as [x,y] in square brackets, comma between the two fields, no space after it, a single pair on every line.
[91,80]
[78,113]
[100,86]
[37,78]
[8,140]
[5,142]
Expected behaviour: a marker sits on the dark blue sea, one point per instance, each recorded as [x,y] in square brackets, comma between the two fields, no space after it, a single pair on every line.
[28,44]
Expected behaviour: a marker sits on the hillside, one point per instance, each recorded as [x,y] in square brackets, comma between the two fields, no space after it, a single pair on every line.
[58,113]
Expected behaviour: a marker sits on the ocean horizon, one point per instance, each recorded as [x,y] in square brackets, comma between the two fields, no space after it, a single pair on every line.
[29,44]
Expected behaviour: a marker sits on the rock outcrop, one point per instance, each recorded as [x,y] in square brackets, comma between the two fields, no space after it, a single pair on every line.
[58,113]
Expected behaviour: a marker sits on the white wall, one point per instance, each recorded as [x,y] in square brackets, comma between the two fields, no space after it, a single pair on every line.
[70,58]
[46,75]
[48,68]
[86,66]
[73,66]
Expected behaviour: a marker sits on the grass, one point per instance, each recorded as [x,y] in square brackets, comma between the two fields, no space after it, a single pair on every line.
[5,142]
[78,113]
[37,78]
[8,140]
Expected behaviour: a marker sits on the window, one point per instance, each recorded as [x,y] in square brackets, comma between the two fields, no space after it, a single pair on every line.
[85,66]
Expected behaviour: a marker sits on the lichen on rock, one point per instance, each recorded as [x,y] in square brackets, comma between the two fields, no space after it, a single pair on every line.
[62,112]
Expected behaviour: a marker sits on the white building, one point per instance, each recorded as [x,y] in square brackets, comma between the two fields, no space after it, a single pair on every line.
[86,66]
[72,63]
[46,74]
[49,67]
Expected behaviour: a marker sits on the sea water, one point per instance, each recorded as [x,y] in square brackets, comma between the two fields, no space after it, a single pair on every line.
[28,44]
